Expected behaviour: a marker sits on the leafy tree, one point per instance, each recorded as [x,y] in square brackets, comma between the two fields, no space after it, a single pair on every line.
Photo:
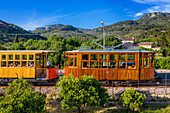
[20,98]
[16,39]
[86,91]
[132,99]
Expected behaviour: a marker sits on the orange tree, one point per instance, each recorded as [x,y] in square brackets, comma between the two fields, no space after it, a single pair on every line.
[86,91]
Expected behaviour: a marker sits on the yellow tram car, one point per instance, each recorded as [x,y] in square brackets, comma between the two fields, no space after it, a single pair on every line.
[30,64]
[113,65]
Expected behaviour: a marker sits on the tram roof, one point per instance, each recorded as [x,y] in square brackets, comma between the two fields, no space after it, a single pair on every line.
[29,51]
[116,50]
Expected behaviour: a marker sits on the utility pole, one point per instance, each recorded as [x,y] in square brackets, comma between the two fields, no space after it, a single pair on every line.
[103,35]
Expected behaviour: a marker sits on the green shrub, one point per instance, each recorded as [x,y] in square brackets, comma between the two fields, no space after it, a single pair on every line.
[132,99]
[86,91]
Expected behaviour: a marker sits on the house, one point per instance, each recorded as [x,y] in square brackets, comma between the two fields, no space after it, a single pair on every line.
[146,44]
[157,48]
[129,42]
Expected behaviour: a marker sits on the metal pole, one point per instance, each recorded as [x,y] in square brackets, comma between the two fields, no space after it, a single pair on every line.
[103,35]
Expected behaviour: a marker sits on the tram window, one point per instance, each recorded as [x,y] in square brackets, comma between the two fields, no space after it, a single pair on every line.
[112,65]
[31,57]
[10,64]
[66,61]
[140,62]
[71,61]
[3,57]
[85,64]
[145,62]
[122,57]
[17,64]
[24,63]
[10,57]
[17,57]
[112,57]
[94,57]
[131,65]
[85,57]
[121,64]
[37,59]
[71,54]
[102,64]
[75,61]
[24,57]
[146,54]
[3,63]
[151,61]
[103,57]
[93,64]
[30,64]
[131,57]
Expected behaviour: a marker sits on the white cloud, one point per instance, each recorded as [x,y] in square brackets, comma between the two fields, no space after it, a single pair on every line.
[157,6]
[34,22]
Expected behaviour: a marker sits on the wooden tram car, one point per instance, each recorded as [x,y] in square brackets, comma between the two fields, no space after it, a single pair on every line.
[120,66]
[30,64]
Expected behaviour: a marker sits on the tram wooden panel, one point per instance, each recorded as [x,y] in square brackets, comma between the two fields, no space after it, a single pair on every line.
[144,74]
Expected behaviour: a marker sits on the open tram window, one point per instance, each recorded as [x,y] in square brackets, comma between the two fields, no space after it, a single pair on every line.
[37,59]
[102,64]
[17,64]
[10,57]
[103,57]
[17,57]
[112,57]
[71,61]
[112,65]
[94,57]
[24,63]
[10,64]
[66,63]
[3,63]
[3,57]
[151,60]
[145,62]
[31,57]
[85,64]
[93,64]
[121,64]
[85,57]
[131,65]
[24,57]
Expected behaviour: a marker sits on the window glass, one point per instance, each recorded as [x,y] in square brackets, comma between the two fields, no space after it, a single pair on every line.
[122,57]
[85,57]
[131,57]
[94,57]
[112,65]
[71,61]
[37,59]
[24,57]
[10,64]
[93,64]
[103,57]
[102,64]
[31,57]
[112,57]
[75,61]
[10,57]
[24,63]
[3,63]
[145,62]
[17,57]
[3,57]
[17,64]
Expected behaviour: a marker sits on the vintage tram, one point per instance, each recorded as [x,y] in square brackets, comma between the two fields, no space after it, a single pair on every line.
[31,64]
[120,66]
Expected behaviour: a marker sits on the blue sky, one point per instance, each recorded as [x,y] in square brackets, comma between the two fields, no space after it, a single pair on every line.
[88,14]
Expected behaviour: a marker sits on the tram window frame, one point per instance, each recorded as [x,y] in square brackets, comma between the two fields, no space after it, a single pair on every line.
[85,57]
[10,57]
[4,63]
[72,61]
[101,57]
[16,57]
[131,59]
[66,62]
[87,65]
[16,61]
[32,57]
[2,59]
[94,57]
[37,57]
[111,57]
[24,59]
[120,60]
[121,63]
[151,60]
[26,65]
[112,66]
[101,64]
[145,64]
[10,62]
[75,62]
[94,65]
